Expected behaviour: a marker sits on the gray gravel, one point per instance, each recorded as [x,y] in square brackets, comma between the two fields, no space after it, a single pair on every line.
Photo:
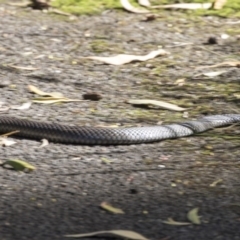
[150,182]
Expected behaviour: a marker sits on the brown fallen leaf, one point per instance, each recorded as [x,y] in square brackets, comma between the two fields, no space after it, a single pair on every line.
[109,208]
[124,58]
[218,4]
[161,104]
[187,6]
[120,233]
[127,6]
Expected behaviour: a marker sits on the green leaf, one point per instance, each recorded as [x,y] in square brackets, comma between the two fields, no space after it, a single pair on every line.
[19,165]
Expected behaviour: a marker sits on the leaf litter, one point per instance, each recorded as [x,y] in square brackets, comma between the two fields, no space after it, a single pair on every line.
[49,98]
[119,233]
[144,3]
[170,221]
[124,58]
[127,6]
[223,64]
[161,104]
[24,106]
[187,6]
[193,216]
[44,143]
[106,206]
[6,142]
[211,74]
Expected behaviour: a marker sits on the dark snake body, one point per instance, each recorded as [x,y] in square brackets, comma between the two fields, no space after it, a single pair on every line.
[111,136]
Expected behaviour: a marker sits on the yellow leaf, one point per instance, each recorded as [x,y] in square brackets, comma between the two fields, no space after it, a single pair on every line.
[193,216]
[111,209]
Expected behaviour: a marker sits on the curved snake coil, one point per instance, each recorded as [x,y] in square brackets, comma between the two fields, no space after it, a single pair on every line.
[111,136]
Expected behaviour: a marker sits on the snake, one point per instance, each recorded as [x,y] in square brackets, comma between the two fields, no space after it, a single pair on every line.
[85,135]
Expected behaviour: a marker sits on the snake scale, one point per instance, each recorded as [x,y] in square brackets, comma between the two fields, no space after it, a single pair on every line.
[55,132]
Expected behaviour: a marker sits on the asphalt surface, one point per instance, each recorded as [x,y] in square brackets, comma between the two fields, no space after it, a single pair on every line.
[149,182]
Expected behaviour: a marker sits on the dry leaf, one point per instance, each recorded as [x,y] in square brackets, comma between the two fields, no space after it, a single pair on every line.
[5,142]
[170,221]
[187,6]
[180,82]
[127,6]
[19,165]
[19,4]
[44,143]
[214,184]
[161,104]
[24,106]
[124,58]
[111,209]
[211,74]
[106,160]
[144,3]
[193,216]
[34,89]
[120,233]
[22,68]
[50,100]
[218,4]
[224,64]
